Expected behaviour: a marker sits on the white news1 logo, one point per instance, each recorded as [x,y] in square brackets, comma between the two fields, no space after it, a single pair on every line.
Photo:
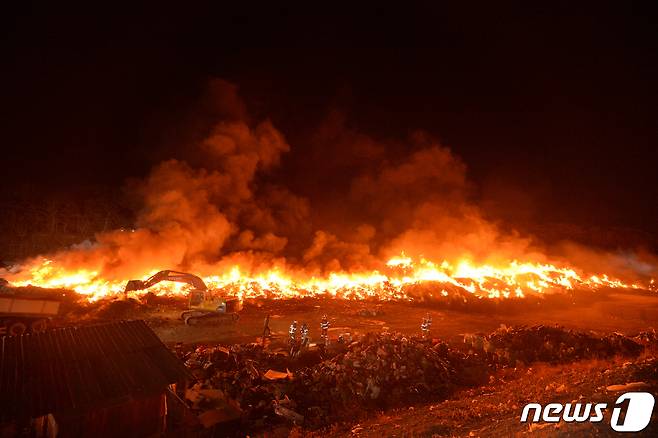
[638,413]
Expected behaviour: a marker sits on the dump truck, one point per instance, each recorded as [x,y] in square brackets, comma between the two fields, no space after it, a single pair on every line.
[20,313]
[203,303]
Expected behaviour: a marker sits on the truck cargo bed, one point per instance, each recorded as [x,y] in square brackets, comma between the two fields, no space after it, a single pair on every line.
[24,306]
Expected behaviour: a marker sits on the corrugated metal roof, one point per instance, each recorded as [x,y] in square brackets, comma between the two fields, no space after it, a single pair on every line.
[77,368]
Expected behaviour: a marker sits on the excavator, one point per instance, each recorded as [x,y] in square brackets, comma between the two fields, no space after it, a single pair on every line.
[203,302]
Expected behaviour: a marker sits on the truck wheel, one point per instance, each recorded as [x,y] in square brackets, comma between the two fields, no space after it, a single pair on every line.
[39,326]
[17,328]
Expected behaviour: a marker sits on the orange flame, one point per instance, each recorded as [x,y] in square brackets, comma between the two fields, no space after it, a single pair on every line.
[514,279]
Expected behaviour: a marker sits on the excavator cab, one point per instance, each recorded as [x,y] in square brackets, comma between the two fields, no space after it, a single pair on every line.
[211,300]
[211,303]
[203,303]
[196,298]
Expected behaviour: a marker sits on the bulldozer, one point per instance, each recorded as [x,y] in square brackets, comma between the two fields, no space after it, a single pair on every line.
[203,303]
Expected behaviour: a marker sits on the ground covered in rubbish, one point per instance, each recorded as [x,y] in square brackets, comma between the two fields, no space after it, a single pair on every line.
[471,376]
[344,388]
[494,408]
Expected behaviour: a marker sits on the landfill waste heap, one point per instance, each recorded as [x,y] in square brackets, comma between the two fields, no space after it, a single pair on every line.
[378,371]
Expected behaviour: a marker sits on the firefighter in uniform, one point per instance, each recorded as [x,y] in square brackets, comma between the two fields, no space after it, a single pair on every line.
[324,327]
[426,326]
[292,333]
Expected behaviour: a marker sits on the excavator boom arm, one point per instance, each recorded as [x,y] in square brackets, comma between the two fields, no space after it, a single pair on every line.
[180,277]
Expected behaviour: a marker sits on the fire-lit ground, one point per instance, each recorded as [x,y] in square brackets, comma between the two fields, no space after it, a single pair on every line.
[605,311]
[493,409]
[466,300]
[489,410]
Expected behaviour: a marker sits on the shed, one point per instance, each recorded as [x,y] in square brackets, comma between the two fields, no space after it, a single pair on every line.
[98,380]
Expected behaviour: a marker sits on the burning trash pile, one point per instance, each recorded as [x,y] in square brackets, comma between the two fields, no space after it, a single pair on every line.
[329,383]
[400,278]
[513,345]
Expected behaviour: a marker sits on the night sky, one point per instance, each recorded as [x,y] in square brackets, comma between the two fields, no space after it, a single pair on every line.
[553,110]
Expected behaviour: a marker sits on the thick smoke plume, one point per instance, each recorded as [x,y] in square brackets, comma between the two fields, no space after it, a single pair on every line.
[361,206]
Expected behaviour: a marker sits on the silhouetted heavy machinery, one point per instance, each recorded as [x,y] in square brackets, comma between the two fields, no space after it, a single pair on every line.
[23,312]
[203,302]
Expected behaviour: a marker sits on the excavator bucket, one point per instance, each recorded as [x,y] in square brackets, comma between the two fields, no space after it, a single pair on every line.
[134,285]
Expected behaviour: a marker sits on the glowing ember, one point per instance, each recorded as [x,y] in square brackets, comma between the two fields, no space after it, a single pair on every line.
[400,273]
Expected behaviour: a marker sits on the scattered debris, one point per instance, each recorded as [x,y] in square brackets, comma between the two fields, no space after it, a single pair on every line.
[370,311]
[288,414]
[513,345]
[633,386]
[372,372]
[277,375]
[648,338]
[120,309]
